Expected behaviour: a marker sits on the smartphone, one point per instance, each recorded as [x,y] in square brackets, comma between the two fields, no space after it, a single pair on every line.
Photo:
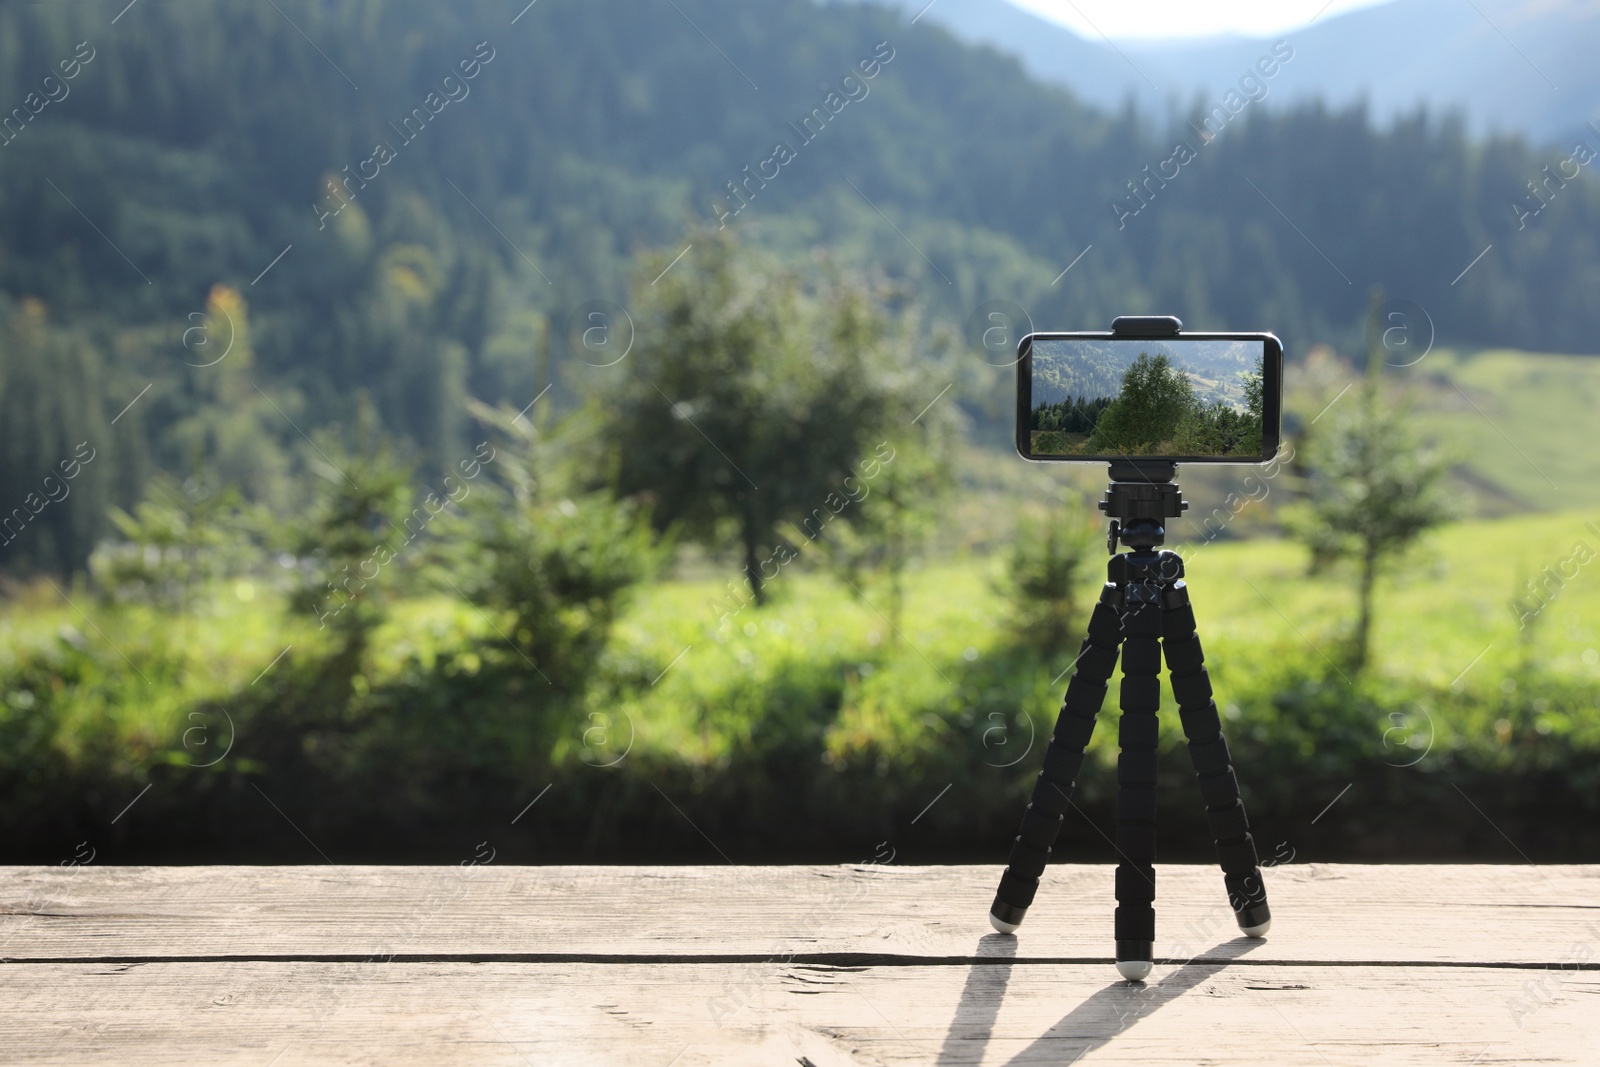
[1187,398]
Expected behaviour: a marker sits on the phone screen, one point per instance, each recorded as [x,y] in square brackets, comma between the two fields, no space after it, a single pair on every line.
[1172,398]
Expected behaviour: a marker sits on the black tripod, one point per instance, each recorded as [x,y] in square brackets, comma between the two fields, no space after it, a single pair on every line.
[1143,610]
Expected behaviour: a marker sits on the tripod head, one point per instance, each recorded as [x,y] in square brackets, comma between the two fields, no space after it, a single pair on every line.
[1139,500]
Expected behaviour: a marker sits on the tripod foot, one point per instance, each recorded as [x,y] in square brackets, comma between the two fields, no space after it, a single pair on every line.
[1254,922]
[1134,970]
[1134,959]
[1005,917]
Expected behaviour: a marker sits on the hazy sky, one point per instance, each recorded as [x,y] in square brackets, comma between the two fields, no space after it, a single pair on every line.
[1186,18]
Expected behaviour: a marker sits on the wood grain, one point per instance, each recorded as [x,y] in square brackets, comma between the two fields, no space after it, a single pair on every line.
[820,965]
[433,1014]
[1322,912]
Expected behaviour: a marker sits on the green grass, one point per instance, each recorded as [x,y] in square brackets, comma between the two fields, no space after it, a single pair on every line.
[696,686]
[1443,631]
[817,703]
[813,716]
[1524,420]
[1438,610]
[136,671]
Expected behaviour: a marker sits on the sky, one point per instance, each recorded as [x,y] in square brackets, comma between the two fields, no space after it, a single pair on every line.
[1120,19]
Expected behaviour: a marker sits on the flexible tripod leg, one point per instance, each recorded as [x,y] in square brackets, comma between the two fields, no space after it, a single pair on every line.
[1136,772]
[1208,749]
[1063,758]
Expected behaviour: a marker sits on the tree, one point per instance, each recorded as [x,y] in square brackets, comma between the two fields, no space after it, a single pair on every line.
[897,512]
[1375,486]
[1155,397]
[58,469]
[1211,429]
[535,543]
[896,503]
[176,541]
[754,397]
[1251,436]
[354,533]
[1045,572]
[223,421]
[1220,429]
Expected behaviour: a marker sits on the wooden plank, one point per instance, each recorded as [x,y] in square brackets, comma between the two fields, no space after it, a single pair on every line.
[284,1014]
[1322,912]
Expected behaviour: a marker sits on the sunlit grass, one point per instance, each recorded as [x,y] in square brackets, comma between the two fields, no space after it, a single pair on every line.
[1442,617]
[825,657]
[1522,420]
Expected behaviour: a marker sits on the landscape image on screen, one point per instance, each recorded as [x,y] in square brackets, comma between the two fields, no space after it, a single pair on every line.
[1189,398]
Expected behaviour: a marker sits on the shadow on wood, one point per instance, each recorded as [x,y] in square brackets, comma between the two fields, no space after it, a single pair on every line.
[1117,1007]
[980,1000]
[1097,1020]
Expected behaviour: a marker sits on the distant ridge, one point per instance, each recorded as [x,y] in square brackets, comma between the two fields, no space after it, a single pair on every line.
[1504,68]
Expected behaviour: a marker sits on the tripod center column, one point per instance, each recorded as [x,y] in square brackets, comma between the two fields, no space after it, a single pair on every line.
[1141,585]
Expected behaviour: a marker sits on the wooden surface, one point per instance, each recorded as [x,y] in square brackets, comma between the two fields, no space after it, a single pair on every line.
[783,965]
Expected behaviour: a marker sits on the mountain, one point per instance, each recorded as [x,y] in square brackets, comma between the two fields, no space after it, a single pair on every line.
[1507,65]
[372,210]
[1095,368]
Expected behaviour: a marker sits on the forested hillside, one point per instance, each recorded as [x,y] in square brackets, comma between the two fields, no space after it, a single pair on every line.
[356,197]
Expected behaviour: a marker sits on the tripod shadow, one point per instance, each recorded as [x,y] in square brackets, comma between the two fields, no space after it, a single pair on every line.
[980,1000]
[1116,1008]
[1095,1022]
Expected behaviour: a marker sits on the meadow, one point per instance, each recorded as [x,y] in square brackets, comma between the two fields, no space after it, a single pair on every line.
[1524,420]
[223,722]
[816,726]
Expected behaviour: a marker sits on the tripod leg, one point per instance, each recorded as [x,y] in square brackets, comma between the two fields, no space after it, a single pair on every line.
[1136,780]
[1063,758]
[1236,849]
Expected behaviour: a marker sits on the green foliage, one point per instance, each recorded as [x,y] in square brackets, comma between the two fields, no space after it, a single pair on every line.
[1078,369]
[1251,439]
[1220,429]
[752,400]
[908,490]
[1154,399]
[797,720]
[1214,429]
[1376,485]
[560,563]
[884,536]
[1046,571]
[411,294]
[362,521]
[228,425]
[1155,412]
[1255,384]
[57,473]
[182,538]
[1077,414]
[803,726]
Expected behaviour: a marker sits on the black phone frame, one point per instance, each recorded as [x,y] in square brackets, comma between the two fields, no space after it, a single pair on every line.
[1271,390]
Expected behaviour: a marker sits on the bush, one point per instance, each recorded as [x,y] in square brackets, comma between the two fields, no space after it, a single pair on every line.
[556,559]
[1046,573]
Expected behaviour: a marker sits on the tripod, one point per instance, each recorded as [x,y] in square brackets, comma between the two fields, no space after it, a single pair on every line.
[1143,611]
